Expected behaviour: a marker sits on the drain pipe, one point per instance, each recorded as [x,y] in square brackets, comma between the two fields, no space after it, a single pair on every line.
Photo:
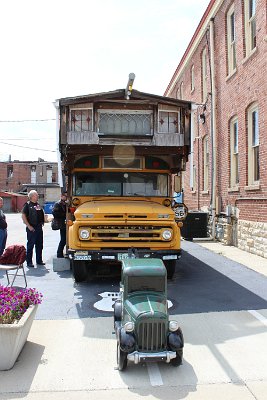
[192,137]
[60,176]
[213,130]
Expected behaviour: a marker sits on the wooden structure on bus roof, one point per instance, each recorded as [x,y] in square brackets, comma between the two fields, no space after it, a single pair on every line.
[152,124]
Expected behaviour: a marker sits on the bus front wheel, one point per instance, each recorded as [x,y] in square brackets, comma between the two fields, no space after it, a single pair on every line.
[79,270]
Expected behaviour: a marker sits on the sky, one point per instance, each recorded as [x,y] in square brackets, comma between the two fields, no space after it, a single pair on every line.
[60,48]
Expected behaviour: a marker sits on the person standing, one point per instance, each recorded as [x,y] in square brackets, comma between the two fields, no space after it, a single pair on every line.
[59,214]
[33,217]
[3,228]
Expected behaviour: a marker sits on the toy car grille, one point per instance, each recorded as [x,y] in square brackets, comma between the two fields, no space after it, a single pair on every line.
[151,336]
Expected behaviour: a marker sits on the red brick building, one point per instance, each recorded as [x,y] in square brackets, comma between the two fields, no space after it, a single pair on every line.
[22,176]
[224,71]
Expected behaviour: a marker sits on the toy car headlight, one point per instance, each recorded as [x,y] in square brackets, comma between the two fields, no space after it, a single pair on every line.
[129,326]
[84,234]
[173,326]
[167,234]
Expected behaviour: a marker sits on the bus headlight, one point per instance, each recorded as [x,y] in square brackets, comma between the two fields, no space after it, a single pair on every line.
[167,234]
[84,234]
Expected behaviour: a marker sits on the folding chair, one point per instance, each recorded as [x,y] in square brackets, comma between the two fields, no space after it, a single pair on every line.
[12,260]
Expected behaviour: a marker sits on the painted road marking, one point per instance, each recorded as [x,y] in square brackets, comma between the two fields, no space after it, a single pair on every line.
[257,315]
[107,301]
[154,374]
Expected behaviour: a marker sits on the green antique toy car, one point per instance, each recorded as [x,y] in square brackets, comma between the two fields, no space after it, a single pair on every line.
[143,330]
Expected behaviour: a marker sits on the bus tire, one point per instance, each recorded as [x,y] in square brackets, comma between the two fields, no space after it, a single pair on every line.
[79,271]
[170,267]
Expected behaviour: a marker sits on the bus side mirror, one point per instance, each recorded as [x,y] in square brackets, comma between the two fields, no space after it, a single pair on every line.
[178,183]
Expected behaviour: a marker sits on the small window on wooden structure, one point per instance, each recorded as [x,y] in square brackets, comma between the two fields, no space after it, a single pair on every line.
[253,145]
[121,122]
[250,25]
[168,122]
[234,158]
[231,40]
[81,120]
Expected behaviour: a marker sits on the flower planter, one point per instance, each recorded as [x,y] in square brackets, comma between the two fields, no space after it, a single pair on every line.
[13,337]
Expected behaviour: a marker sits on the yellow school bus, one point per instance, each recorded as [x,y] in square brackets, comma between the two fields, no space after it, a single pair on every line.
[122,158]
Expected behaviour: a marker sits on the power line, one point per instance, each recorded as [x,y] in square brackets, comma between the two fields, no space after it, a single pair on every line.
[29,120]
[28,138]
[25,147]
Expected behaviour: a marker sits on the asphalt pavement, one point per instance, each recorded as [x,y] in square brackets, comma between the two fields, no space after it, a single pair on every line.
[71,353]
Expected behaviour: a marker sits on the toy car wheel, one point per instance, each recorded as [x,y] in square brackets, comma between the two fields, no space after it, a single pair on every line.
[178,359]
[121,358]
[117,310]
[79,271]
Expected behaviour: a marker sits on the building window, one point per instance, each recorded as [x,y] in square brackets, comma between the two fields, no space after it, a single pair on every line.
[81,120]
[192,78]
[250,25]
[168,122]
[205,164]
[182,91]
[49,175]
[10,171]
[33,174]
[234,160]
[194,187]
[204,75]
[231,41]
[253,145]
[178,93]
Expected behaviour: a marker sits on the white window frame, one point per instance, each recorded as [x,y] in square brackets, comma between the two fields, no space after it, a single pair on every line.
[250,25]
[182,91]
[192,74]
[231,40]
[253,145]
[234,154]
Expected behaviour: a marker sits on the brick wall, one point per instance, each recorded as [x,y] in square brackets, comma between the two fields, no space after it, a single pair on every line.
[21,174]
[234,95]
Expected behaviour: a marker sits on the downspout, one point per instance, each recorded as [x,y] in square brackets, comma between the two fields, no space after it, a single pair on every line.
[60,178]
[192,137]
[213,130]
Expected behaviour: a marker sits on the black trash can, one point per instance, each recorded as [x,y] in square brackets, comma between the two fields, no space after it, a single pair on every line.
[195,225]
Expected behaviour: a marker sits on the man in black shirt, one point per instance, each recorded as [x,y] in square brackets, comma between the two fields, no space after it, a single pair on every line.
[59,214]
[33,218]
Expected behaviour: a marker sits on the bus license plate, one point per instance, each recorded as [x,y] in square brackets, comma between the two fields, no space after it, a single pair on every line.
[80,257]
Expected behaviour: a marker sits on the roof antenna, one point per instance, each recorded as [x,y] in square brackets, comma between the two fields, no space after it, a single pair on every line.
[129,86]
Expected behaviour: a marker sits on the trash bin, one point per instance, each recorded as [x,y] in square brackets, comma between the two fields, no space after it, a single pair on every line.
[48,207]
[195,225]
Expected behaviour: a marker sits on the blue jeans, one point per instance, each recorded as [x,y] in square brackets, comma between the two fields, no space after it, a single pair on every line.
[35,239]
[3,238]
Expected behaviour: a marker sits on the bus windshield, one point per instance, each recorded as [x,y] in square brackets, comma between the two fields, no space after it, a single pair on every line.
[121,184]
